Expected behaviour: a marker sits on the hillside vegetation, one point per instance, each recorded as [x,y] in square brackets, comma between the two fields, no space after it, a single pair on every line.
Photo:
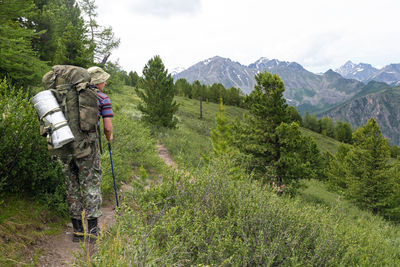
[215,214]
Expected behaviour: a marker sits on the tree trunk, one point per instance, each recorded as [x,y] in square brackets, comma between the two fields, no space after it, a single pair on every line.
[201,107]
[104,61]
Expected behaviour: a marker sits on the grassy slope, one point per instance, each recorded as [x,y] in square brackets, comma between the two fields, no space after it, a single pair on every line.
[187,144]
[190,140]
[325,143]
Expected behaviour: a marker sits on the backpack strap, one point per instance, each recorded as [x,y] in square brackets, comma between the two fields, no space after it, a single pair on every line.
[50,112]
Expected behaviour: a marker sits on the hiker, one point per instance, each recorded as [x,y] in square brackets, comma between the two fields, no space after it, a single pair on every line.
[72,136]
[85,194]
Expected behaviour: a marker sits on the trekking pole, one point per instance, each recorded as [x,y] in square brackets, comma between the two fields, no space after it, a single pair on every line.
[99,134]
[112,168]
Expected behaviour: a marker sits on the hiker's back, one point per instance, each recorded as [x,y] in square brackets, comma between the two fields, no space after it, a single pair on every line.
[78,102]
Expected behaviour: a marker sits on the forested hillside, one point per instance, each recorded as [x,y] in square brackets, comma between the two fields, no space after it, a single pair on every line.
[381,105]
[37,34]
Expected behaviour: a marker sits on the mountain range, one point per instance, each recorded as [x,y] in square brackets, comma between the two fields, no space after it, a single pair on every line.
[305,90]
[353,92]
[365,73]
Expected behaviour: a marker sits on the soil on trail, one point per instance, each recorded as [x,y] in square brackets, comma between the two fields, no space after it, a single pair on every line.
[59,250]
[163,154]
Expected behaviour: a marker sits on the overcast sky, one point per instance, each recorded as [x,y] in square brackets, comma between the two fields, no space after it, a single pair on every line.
[318,34]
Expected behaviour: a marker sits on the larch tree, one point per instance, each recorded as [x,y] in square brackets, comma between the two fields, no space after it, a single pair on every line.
[279,152]
[101,39]
[372,181]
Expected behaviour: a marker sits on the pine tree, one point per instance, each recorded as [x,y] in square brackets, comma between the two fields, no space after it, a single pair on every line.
[371,181]
[257,135]
[311,122]
[18,60]
[326,126]
[279,153]
[222,133]
[343,132]
[299,156]
[158,105]
[295,115]
[370,177]
[133,78]
[63,37]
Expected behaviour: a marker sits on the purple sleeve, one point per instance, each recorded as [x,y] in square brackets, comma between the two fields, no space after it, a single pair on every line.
[105,108]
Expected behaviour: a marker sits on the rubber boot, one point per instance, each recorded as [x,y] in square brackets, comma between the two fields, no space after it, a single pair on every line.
[78,230]
[93,230]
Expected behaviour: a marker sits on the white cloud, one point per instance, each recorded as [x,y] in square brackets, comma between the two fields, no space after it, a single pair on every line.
[317,34]
[166,8]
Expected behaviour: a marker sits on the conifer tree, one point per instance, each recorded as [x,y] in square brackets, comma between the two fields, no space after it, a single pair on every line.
[279,152]
[18,60]
[256,135]
[295,115]
[311,122]
[63,37]
[372,181]
[343,132]
[133,78]
[326,126]
[158,105]
[221,135]
[101,39]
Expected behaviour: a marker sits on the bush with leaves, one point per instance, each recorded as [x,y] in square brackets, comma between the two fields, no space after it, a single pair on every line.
[25,164]
[214,218]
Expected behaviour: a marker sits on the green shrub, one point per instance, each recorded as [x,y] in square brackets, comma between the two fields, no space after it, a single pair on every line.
[25,164]
[208,218]
[132,147]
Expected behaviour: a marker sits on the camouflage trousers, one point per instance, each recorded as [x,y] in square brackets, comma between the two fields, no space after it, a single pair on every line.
[82,179]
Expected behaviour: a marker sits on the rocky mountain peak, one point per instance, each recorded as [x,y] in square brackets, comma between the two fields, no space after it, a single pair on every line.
[265,63]
[362,71]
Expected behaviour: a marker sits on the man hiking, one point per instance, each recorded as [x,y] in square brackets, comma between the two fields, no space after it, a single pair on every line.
[85,194]
[78,94]
[83,176]
[90,198]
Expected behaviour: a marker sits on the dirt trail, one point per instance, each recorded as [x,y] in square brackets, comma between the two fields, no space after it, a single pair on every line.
[163,154]
[59,250]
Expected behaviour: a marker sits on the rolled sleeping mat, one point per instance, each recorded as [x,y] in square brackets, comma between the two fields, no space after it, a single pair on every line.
[50,113]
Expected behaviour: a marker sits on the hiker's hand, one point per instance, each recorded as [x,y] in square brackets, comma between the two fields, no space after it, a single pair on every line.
[109,137]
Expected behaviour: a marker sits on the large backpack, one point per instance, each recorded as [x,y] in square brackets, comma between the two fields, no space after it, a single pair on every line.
[78,101]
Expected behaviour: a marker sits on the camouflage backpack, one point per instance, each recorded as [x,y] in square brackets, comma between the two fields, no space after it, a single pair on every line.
[78,102]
